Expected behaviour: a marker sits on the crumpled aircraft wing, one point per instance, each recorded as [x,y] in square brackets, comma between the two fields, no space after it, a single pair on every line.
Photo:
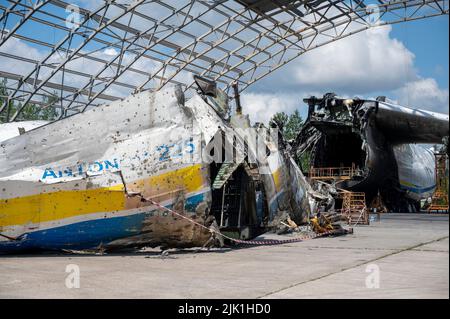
[403,125]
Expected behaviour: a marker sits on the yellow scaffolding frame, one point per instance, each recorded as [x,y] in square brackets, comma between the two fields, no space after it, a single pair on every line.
[439,201]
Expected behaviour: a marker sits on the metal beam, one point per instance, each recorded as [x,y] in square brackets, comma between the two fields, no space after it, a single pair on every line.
[154,43]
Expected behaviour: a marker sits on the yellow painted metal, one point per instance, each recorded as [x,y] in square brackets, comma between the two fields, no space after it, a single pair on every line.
[189,179]
[439,200]
[332,173]
[64,204]
[58,205]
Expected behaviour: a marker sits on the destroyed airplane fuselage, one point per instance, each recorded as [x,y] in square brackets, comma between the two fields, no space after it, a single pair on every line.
[87,181]
[377,140]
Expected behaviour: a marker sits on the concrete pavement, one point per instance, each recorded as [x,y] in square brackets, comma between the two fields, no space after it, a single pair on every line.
[407,253]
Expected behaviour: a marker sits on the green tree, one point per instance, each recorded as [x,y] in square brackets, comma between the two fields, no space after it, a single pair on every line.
[293,125]
[280,119]
[3,99]
[31,111]
[304,161]
[49,113]
[289,125]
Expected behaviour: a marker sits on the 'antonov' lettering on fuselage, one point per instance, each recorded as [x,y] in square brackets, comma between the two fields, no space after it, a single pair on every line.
[97,167]
[164,152]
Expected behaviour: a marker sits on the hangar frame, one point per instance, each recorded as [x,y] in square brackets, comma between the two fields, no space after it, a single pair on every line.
[86,55]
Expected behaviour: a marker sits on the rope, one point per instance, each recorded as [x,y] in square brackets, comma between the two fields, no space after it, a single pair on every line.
[7,237]
[270,242]
[244,242]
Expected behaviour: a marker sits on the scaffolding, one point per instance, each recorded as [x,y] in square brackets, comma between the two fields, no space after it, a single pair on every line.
[354,208]
[333,173]
[439,201]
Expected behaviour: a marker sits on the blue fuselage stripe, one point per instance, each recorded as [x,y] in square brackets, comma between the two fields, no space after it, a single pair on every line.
[418,190]
[87,234]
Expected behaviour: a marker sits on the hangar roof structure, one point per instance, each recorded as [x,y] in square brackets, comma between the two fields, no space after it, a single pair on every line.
[88,53]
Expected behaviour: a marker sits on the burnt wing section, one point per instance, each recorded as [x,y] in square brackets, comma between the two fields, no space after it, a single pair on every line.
[361,135]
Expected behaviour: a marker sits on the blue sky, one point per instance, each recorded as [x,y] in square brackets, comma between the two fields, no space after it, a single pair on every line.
[407,62]
[428,40]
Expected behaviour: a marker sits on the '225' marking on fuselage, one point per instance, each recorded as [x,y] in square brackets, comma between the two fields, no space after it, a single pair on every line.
[176,150]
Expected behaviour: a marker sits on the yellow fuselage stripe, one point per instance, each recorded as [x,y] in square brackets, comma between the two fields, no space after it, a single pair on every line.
[46,207]
[277,179]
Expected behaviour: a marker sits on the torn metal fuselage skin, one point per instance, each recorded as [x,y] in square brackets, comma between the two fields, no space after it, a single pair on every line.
[86,181]
[380,141]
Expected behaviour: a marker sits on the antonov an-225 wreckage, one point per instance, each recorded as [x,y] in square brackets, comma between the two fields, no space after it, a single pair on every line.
[101,179]
[94,179]
[378,141]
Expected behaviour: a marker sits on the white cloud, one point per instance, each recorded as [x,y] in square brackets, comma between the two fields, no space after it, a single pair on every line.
[261,106]
[425,94]
[367,64]
[110,51]
[19,48]
[84,65]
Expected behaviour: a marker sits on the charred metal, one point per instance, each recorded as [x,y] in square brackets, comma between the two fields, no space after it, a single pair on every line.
[374,143]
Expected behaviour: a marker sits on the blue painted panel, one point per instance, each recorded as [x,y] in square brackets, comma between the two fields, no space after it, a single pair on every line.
[87,234]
